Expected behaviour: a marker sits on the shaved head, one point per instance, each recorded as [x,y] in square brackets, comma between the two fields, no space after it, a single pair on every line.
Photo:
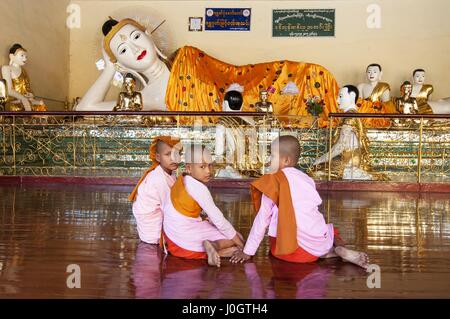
[288,147]
[198,161]
[160,146]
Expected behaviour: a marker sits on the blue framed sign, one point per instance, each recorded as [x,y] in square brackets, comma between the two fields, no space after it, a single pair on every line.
[227,19]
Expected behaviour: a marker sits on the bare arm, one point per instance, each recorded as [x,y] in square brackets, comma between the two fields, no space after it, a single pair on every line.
[259,227]
[335,151]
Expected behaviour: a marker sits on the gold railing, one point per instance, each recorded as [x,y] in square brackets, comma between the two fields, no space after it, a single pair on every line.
[432,130]
[115,144]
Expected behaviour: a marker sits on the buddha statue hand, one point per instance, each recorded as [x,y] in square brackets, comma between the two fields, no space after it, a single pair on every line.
[26,103]
[320,160]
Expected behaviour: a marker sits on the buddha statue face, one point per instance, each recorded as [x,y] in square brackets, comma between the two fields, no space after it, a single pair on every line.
[263,96]
[419,77]
[19,57]
[346,99]
[133,48]
[130,84]
[374,74]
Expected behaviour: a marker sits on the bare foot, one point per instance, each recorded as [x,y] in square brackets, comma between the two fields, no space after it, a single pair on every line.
[355,257]
[213,256]
[227,252]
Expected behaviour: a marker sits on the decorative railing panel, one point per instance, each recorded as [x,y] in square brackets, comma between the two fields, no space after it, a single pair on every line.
[116,144]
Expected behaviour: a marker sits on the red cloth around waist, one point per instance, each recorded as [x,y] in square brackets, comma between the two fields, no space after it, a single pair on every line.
[300,255]
[177,251]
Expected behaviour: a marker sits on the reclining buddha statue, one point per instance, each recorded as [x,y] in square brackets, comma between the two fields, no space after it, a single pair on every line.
[191,80]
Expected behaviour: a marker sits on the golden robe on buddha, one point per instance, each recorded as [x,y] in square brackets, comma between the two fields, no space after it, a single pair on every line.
[198,83]
[422,99]
[375,105]
[21,85]
[350,157]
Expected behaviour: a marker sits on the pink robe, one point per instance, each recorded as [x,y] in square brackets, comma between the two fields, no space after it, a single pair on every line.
[147,208]
[313,234]
[189,233]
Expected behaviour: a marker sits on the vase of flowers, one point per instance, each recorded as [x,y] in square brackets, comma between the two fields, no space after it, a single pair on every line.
[315,106]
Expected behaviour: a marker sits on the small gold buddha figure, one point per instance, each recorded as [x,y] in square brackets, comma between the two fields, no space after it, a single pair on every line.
[406,104]
[130,100]
[263,105]
[421,91]
[350,158]
[18,83]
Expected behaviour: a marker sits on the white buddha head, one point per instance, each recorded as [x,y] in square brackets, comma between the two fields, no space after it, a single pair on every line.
[419,76]
[128,43]
[348,95]
[374,72]
[17,55]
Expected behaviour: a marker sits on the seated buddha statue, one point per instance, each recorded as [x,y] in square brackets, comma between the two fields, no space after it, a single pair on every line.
[19,88]
[129,100]
[263,105]
[375,97]
[350,150]
[235,141]
[421,91]
[406,104]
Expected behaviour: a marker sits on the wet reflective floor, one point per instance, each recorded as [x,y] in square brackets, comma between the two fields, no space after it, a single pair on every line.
[43,230]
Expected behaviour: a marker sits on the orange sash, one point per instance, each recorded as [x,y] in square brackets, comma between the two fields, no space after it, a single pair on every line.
[169,140]
[182,201]
[276,187]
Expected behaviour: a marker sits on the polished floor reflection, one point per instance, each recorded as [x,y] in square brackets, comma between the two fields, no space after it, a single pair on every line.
[45,229]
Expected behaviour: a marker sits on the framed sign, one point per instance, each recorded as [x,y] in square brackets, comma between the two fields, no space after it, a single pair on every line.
[303,22]
[227,19]
[195,23]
